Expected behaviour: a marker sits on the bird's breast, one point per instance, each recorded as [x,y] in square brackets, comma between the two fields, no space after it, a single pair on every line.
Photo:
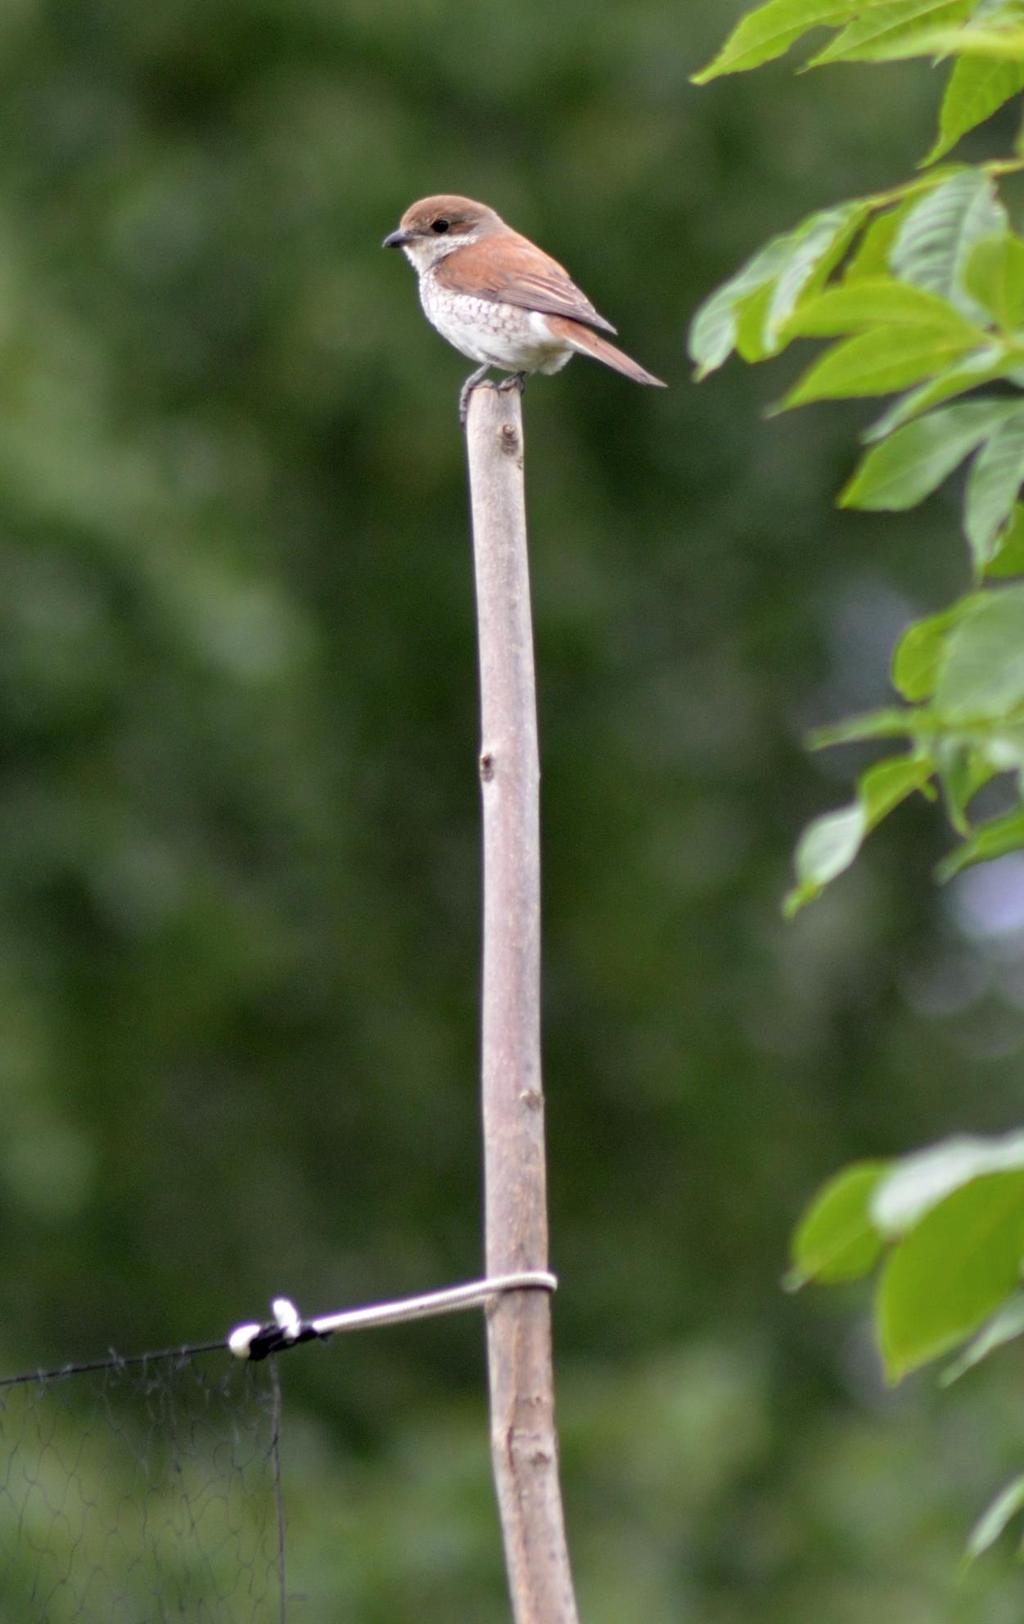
[502,335]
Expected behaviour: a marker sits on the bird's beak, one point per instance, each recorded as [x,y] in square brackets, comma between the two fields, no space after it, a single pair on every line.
[397,239]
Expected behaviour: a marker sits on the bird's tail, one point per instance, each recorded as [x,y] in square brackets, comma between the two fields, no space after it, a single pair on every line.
[586,342]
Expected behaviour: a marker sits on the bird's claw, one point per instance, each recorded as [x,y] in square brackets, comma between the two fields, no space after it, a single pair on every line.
[515,380]
[467,389]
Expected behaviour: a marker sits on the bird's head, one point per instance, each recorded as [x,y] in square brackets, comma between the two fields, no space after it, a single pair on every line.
[436,226]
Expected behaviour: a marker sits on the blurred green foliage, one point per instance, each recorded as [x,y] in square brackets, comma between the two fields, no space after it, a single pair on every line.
[239,864]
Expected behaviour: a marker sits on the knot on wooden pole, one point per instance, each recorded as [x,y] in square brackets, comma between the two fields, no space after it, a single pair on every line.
[510,441]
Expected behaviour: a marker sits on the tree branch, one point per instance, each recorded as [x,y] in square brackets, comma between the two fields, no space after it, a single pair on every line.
[524,1444]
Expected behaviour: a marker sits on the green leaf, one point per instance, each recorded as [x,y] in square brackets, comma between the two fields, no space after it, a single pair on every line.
[999,44]
[888,723]
[769,32]
[994,275]
[976,89]
[1008,558]
[878,302]
[918,1183]
[796,264]
[913,461]
[962,771]
[878,362]
[996,1519]
[934,242]
[712,336]
[1005,1326]
[997,473]
[786,265]
[816,248]
[944,40]
[879,29]
[996,13]
[919,653]
[954,1268]
[871,258]
[830,844]
[751,319]
[983,366]
[983,671]
[825,850]
[883,786]
[992,839]
[836,1239]
[1001,742]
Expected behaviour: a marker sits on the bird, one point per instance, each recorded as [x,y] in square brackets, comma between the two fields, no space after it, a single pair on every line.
[498,298]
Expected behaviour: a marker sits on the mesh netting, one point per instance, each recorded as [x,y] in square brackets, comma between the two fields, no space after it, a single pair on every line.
[142,1492]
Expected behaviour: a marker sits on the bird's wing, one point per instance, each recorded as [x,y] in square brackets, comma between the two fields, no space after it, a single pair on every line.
[512,270]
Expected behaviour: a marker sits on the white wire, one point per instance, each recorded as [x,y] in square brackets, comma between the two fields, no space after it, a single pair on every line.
[448,1301]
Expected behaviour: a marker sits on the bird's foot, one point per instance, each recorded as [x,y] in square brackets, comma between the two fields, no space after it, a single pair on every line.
[467,389]
[515,380]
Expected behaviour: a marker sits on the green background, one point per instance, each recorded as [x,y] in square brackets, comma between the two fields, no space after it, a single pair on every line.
[239,876]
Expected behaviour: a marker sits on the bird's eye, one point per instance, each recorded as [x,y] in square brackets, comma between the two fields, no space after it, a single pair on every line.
[440,226]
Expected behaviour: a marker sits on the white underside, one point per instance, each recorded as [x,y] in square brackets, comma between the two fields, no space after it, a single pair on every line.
[497,335]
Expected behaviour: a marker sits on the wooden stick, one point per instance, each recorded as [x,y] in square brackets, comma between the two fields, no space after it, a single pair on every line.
[524,1444]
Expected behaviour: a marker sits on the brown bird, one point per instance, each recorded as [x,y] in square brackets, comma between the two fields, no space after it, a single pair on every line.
[498,297]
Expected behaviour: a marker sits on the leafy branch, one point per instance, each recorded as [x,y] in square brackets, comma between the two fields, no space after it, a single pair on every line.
[920,290]
[945,1228]
[919,294]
